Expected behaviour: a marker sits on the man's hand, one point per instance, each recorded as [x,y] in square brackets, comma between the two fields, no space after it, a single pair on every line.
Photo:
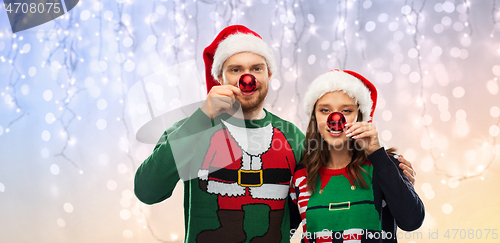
[407,169]
[220,100]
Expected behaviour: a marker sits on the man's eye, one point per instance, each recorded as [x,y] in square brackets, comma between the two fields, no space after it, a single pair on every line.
[235,70]
[257,69]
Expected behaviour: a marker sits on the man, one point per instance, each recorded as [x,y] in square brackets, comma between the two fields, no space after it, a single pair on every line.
[236,166]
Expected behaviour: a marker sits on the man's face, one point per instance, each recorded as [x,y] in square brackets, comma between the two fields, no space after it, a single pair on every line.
[242,63]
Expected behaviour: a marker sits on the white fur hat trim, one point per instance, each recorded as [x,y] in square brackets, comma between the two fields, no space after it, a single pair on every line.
[339,81]
[241,42]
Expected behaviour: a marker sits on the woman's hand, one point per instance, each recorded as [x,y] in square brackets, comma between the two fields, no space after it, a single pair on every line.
[220,99]
[365,134]
[407,168]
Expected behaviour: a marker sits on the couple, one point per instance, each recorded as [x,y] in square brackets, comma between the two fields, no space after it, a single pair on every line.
[252,176]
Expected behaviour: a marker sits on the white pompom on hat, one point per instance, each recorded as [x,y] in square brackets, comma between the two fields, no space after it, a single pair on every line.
[353,84]
[232,40]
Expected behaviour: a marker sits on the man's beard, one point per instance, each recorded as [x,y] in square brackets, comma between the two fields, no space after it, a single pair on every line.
[255,103]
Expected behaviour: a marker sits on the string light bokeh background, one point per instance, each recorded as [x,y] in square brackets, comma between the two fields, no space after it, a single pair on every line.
[69,151]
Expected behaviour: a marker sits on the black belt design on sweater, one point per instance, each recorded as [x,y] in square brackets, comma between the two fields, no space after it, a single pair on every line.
[341,205]
[253,178]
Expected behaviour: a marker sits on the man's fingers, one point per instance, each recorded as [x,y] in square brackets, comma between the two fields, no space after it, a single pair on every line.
[234,89]
[222,91]
[225,108]
[227,90]
[223,102]
[406,165]
[407,169]
[404,161]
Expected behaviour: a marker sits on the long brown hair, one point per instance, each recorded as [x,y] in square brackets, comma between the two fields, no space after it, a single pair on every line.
[316,154]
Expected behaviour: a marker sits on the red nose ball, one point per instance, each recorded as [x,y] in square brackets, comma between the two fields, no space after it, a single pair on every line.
[247,83]
[336,121]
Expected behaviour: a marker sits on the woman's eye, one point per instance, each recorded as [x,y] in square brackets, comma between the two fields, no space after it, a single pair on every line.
[347,111]
[324,110]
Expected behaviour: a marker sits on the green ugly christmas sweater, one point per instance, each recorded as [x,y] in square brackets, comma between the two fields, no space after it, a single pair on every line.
[341,211]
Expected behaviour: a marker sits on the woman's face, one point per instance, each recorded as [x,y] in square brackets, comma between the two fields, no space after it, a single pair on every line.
[336,101]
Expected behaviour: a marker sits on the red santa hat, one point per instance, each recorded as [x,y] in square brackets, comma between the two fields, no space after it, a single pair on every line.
[353,84]
[232,40]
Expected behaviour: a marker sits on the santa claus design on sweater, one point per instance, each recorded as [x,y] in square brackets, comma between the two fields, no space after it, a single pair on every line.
[247,166]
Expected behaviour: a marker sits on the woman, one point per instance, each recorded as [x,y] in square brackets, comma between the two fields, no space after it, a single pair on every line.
[348,187]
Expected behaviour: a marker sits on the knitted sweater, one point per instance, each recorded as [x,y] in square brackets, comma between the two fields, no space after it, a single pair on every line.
[340,211]
[236,176]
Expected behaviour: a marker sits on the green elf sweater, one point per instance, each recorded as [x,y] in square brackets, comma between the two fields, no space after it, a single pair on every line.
[340,211]
[236,176]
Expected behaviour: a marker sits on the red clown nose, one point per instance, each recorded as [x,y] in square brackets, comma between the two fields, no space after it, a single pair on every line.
[336,121]
[247,83]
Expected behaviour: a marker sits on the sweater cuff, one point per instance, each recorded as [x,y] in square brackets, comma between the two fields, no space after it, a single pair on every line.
[379,158]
